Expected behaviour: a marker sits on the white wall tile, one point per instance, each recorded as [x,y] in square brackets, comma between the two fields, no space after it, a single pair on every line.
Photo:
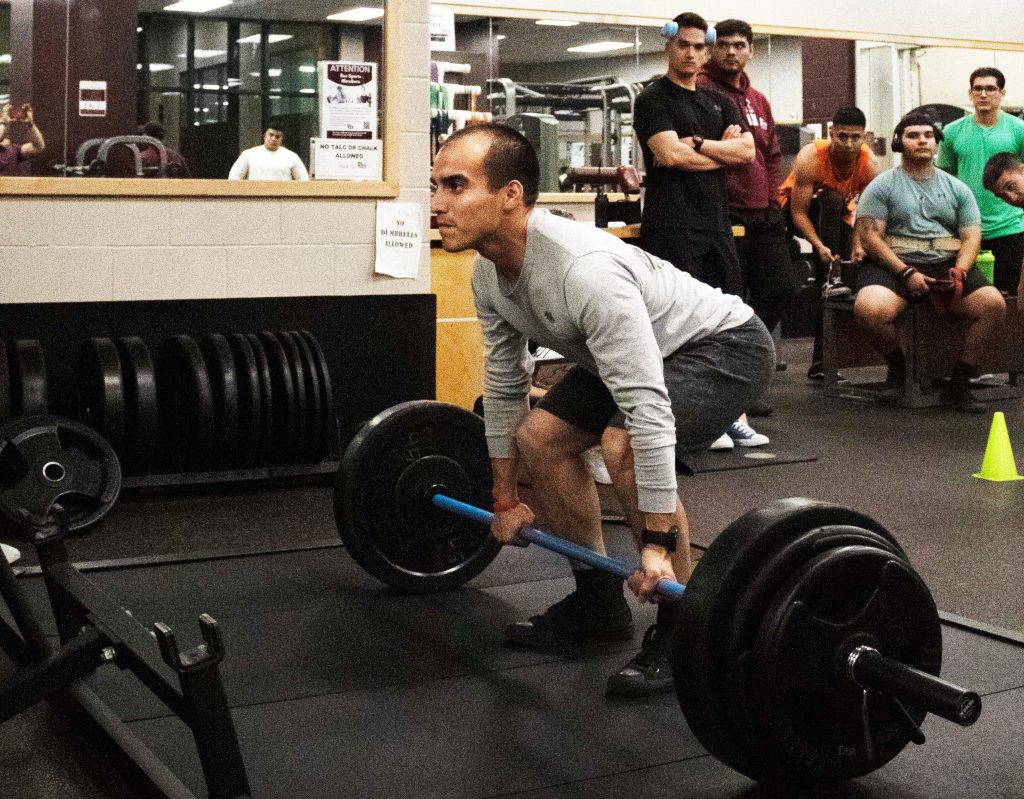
[279,271]
[169,273]
[207,222]
[415,111]
[83,222]
[27,221]
[56,274]
[327,222]
[414,49]
[415,160]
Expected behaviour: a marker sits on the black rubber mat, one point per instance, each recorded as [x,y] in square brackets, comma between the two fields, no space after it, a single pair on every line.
[747,458]
[341,687]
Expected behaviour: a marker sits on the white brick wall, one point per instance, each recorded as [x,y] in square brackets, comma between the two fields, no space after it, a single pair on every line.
[71,249]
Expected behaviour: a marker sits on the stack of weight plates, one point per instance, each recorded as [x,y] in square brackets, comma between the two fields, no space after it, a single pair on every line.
[245,400]
[115,388]
[22,379]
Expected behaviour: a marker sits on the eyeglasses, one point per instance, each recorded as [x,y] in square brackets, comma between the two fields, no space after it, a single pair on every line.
[985,89]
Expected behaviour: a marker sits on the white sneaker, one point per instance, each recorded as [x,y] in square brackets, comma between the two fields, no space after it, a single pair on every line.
[724,441]
[743,435]
[592,457]
[10,553]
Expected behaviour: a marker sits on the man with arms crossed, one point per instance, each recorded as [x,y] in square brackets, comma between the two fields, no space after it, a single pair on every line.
[969,142]
[663,364]
[688,134]
[920,226]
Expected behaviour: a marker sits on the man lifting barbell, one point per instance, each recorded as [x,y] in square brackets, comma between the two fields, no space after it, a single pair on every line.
[664,364]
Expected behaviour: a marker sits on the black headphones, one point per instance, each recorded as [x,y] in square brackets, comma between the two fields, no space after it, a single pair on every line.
[897,137]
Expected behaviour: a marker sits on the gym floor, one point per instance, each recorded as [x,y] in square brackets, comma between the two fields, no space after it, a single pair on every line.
[343,688]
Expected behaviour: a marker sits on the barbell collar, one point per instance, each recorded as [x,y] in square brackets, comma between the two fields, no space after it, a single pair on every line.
[668,588]
[873,671]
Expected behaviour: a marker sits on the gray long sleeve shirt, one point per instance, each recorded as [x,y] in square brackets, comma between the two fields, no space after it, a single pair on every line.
[609,307]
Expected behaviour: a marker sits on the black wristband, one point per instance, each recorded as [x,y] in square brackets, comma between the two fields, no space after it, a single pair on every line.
[660,538]
[910,270]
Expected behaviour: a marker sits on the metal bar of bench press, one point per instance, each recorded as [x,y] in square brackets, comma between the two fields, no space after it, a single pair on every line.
[669,588]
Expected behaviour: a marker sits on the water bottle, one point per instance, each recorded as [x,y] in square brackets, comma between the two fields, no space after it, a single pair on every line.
[986,263]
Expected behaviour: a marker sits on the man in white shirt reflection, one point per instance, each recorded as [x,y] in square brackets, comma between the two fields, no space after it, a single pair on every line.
[269,161]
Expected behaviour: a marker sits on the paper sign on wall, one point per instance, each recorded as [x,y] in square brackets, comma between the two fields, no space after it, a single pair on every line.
[92,98]
[399,239]
[346,159]
[348,99]
[442,29]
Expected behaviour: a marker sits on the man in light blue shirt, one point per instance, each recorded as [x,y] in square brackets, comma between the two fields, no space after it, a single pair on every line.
[921,229]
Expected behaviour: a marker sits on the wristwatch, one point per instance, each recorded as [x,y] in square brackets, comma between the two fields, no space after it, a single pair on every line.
[661,539]
[698,142]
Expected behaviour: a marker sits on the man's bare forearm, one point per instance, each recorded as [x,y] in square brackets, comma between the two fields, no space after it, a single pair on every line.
[875,246]
[970,244]
[733,152]
[505,472]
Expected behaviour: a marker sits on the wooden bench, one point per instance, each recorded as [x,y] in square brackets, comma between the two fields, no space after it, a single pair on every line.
[931,344]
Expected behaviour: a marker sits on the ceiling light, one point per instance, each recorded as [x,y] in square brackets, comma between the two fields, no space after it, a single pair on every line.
[205,53]
[307,68]
[307,91]
[558,23]
[360,14]
[500,37]
[211,87]
[157,67]
[197,6]
[274,73]
[598,47]
[273,38]
[5,58]
[138,29]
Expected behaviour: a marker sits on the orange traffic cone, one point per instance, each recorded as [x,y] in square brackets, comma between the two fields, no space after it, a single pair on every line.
[998,464]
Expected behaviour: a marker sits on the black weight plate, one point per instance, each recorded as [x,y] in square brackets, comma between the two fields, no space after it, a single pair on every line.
[314,399]
[99,391]
[707,613]
[142,419]
[220,366]
[750,608]
[6,411]
[250,418]
[185,401]
[808,713]
[298,372]
[46,460]
[28,378]
[267,432]
[381,502]
[330,424]
[286,421]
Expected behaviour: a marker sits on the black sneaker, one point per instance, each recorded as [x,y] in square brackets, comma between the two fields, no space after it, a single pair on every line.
[582,617]
[647,673]
[960,398]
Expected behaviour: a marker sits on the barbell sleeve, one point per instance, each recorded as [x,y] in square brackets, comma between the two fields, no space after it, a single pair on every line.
[873,671]
[668,588]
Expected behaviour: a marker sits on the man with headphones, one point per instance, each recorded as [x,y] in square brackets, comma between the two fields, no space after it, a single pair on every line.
[688,134]
[921,229]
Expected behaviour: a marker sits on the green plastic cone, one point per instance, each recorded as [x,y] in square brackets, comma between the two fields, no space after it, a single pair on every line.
[998,465]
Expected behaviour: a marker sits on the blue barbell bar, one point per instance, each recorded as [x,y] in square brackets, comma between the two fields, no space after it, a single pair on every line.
[669,588]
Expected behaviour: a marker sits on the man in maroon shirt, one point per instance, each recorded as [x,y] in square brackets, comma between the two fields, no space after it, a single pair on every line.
[752,189]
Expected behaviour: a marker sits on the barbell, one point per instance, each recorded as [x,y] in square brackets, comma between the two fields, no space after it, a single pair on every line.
[806,648]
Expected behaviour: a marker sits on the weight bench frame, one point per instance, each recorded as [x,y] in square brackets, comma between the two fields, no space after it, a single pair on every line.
[95,631]
[930,343]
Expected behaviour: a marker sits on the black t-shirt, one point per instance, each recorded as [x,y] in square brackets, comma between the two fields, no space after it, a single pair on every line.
[677,198]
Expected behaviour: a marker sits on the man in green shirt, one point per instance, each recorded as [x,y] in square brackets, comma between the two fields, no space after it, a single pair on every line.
[969,143]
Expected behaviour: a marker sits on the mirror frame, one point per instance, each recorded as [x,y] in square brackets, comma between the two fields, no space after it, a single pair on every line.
[387,187]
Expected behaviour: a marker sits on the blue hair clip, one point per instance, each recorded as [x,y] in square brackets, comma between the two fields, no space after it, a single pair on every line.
[670,29]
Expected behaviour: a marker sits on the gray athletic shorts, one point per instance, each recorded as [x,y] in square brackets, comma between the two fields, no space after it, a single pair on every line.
[710,383]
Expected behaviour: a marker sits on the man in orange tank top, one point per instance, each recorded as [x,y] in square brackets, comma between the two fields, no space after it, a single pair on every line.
[820,197]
